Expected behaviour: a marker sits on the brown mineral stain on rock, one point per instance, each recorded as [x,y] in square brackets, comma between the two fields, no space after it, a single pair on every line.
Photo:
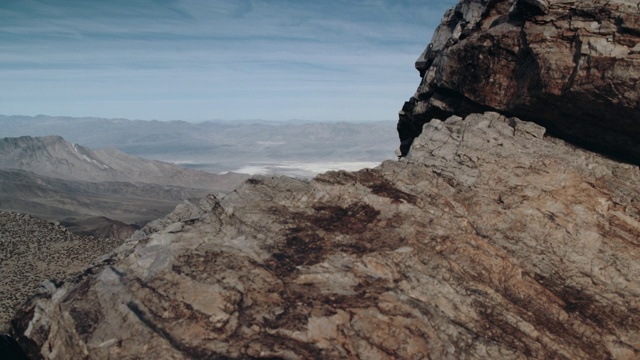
[377,184]
[353,219]
[517,250]
[489,240]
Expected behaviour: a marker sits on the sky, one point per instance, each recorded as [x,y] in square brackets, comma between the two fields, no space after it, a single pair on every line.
[197,60]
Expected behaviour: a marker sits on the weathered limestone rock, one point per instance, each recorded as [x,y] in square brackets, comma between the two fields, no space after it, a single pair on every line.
[488,241]
[572,66]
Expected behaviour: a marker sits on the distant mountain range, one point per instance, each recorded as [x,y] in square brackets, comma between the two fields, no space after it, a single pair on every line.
[87,172]
[52,156]
[91,190]
[293,147]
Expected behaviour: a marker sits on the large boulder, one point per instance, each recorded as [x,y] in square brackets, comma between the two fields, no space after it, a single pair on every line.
[572,66]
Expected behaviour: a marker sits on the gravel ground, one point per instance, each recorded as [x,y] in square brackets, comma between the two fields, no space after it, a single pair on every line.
[33,250]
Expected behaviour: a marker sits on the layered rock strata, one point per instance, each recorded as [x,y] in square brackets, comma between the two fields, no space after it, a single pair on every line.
[489,240]
[572,66]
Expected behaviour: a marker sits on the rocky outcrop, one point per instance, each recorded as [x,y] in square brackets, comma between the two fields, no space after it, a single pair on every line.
[32,251]
[489,240]
[572,66]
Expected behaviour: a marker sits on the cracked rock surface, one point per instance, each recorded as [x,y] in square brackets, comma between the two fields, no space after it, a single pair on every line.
[488,241]
[572,66]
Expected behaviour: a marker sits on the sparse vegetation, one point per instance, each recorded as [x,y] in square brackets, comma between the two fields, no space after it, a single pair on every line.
[33,250]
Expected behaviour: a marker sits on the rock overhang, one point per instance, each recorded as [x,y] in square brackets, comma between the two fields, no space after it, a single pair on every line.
[571,67]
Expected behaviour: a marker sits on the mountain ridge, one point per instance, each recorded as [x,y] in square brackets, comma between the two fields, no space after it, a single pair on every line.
[54,157]
[223,146]
[56,180]
[56,199]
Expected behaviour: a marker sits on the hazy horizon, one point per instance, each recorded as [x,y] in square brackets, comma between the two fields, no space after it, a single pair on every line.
[196,60]
[299,148]
[195,122]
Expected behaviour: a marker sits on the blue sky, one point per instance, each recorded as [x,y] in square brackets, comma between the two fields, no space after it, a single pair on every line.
[195,60]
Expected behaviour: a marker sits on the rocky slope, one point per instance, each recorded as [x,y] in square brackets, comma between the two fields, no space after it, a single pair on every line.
[52,156]
[572,66]
[58,199]
[490,241]
[53,179]
[32,251]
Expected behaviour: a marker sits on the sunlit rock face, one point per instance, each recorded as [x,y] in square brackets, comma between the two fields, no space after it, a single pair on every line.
[489,240]
[571,66]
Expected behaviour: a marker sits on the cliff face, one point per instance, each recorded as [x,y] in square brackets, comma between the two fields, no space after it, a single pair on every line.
[569,65]
[488,240]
